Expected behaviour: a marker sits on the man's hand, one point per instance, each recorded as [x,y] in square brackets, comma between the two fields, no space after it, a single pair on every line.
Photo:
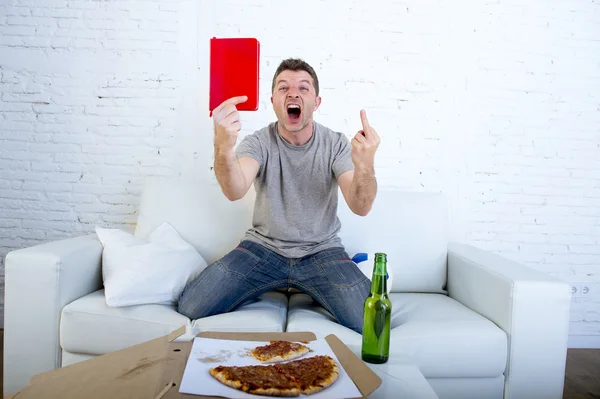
[364,144]
[226,120]
[359,186]
[234,176]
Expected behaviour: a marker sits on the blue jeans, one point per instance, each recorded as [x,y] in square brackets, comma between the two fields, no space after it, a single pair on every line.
[329,277]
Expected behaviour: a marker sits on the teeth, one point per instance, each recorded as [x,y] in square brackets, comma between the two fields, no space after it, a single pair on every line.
[293,106]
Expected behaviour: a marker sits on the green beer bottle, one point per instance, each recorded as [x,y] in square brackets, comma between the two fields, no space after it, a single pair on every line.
[377,316]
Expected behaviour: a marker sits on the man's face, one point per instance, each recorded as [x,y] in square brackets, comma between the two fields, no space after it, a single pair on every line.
[294,99]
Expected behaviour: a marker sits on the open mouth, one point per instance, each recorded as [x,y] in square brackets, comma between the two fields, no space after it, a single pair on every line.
[293,111]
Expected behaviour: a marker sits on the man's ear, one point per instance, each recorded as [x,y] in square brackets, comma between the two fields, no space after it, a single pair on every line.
[271,99]
[317,103]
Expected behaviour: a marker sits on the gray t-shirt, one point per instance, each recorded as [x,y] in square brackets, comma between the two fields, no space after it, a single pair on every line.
[295,212]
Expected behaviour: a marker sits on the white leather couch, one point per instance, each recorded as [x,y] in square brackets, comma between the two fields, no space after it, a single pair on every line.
[476,324]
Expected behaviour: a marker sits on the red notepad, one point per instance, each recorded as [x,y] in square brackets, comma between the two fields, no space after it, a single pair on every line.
[234,69]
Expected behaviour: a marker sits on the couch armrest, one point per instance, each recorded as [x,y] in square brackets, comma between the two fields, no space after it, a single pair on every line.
[530,306]
[39,282]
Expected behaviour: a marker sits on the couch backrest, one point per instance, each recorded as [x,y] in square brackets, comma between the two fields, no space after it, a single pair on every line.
[199,212]
[409,227]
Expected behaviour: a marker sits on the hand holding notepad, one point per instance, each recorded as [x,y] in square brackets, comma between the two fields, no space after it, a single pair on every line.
[226,119]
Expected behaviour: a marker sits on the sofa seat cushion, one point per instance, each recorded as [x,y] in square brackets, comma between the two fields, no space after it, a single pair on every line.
[268,313]
[89,326]
[443,337]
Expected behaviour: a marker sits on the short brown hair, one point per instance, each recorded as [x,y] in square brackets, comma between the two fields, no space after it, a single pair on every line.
[296,64]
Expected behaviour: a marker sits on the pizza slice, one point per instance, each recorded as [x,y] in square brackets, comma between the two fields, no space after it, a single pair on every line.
[306,376]
[313,374]
[279,351]
[257,380]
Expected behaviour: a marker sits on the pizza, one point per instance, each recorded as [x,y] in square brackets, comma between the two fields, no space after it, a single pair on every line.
[279,351]
[302,376]
[313,373]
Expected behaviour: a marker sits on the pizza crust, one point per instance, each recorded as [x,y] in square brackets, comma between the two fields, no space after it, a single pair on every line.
[222,377]
[276,392]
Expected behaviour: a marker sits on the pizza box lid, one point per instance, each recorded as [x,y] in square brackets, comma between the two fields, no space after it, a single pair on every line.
[155,368]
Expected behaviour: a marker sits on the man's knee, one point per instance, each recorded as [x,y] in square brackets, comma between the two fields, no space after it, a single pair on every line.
[200,295]
[188,304]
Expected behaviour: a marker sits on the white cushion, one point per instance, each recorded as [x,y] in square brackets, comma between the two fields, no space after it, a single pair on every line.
[443,337]
[411,228]
[200,212]
[153,270]
[89,326]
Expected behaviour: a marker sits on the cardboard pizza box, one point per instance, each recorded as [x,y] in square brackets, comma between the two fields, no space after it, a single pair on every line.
[154,369]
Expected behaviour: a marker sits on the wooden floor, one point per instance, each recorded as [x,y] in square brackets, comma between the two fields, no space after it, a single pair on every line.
[582,379]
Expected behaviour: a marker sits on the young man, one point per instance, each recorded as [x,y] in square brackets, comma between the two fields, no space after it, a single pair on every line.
[296,165]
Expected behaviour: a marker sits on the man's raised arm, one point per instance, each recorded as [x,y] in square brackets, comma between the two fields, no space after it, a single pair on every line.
[359,186]
[234,176]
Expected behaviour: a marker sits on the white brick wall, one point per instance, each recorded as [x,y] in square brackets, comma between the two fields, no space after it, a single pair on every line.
[494,103]
[532,185]
[89,98]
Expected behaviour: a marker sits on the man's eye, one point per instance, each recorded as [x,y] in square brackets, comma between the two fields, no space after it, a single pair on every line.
[282,88]
[304,88]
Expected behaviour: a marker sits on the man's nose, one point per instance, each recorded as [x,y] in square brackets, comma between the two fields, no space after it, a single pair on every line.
[293,93]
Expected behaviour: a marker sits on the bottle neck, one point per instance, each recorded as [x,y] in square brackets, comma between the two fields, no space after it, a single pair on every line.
[379,280]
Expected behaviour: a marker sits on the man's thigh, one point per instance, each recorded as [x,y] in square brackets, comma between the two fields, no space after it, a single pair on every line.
[331,268]
[252,263]
[334,280]
[245,272]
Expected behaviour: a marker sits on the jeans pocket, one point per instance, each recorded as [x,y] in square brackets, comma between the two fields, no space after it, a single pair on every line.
[241,261]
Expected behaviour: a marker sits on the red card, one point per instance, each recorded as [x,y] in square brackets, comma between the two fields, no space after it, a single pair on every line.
[234,69]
